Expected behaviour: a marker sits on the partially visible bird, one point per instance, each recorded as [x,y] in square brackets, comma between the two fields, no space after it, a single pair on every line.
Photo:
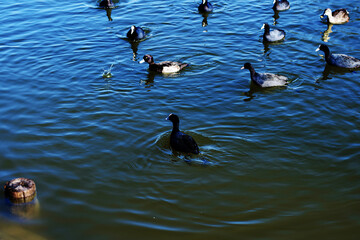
[180,141]
[106,4]
[135,33]
[163,67]
[274,35]
[339,60]
[339,16]
[205,7]
[281,5]
[266,79]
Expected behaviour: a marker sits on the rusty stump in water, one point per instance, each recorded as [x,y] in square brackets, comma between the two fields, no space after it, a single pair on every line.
[20,190]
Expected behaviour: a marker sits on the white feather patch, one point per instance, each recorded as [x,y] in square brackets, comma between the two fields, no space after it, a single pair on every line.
[171,69]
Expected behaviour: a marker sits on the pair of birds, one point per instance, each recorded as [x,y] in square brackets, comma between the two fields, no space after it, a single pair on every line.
[273,80]
[276,34]
[339,16]
[136,34]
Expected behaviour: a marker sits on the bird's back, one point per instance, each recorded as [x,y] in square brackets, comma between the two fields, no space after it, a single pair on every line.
[182,142]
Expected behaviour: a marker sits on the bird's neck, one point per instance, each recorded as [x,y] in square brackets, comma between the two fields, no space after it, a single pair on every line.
[175,127]
[327,54]
[252,71]
[267,30]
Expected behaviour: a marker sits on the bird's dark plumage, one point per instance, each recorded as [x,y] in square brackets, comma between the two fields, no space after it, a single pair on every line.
[205,7]
[266,79]
[339,60]
[135,33]
[180,141]
[106,4]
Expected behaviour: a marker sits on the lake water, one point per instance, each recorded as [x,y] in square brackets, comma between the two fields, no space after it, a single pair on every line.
[279,163]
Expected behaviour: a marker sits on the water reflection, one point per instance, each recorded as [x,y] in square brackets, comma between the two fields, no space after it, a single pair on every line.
[251,93]
[332,70]
[268,44]
[149,81]
[276,17]
[266,48]
[327,32]
[326,72]
[204,21]
[134,48]
[254,88]
[22,210]
[108,13]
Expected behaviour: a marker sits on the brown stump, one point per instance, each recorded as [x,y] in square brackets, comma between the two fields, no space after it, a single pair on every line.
[20,190]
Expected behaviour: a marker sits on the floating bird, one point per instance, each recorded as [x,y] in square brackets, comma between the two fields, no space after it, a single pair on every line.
[135,33]
[180,141]
[339,16]
[163,67]
[274,35]
[106,4]
[281,5]
[339,60]
[266,79]
[205,7]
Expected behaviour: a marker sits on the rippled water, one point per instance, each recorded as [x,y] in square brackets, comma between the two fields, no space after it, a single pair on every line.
[281,163]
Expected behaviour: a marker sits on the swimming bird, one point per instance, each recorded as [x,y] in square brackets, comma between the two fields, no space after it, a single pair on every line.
[281,5]
[205,7]
[274,35]
[339,16]
[339,60]
[180,141]
[266,79]
[106,4]
[163,67]
[135,33]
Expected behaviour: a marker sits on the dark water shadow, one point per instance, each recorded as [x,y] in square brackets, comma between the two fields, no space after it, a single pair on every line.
[254,88]
[149,81]
[204,22]
[150,77]
[276,16]
[18,211]
[329,70]
[108,13]
[267,45]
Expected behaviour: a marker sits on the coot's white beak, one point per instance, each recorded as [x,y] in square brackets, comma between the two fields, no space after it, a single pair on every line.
[168,117]
[242,68]
[318,49]
[262,27]
[142,61]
